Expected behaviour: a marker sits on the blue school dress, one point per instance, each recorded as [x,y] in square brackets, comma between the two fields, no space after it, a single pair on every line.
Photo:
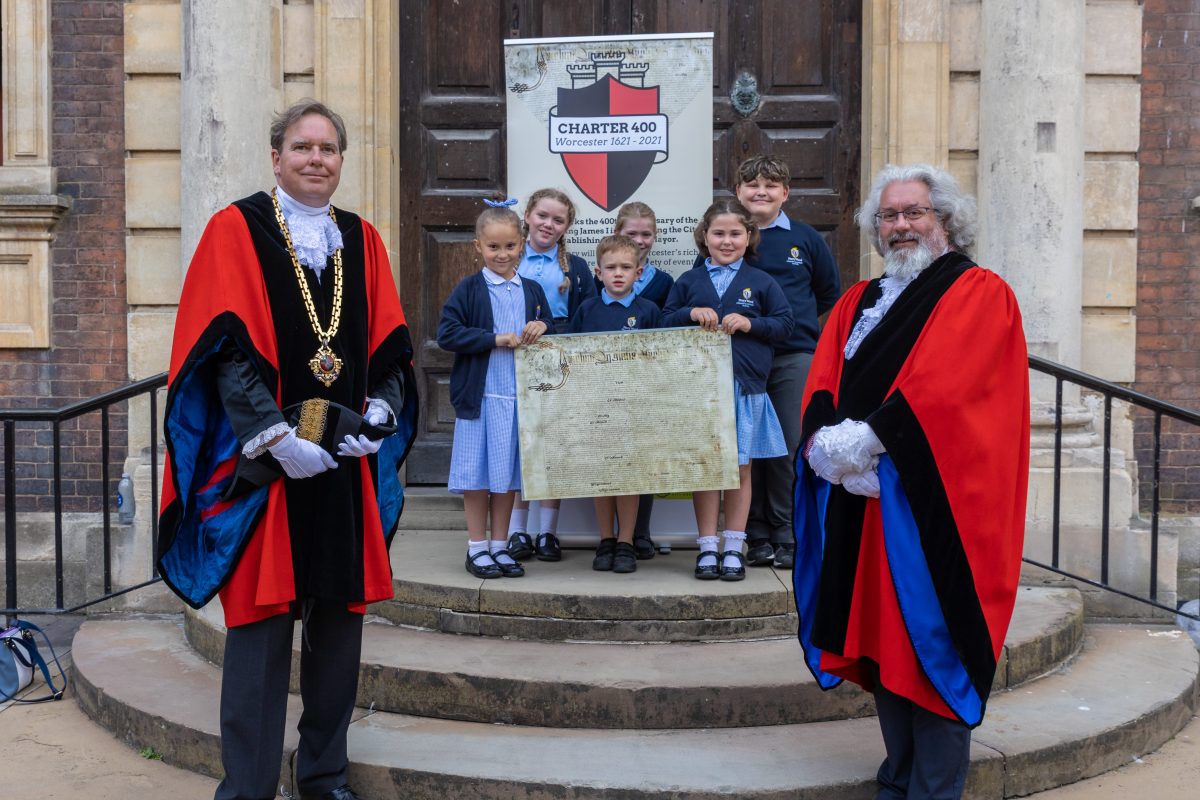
[486,452]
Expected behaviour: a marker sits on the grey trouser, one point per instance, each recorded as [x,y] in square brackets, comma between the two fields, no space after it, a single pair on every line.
[927,754]
[254,693]
[773,479]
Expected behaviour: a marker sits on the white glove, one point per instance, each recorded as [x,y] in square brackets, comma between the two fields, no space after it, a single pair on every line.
[822,464]
[300,458]
[377,413]
[865,483]
[850,445]
[362,446]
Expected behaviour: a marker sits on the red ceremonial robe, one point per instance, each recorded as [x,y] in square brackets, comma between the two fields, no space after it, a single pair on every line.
[916,589]
[325,536]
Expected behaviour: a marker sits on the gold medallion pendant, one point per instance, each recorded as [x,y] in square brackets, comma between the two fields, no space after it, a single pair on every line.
[325,365]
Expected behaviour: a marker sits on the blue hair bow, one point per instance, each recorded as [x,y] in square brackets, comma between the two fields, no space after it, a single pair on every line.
[512,201]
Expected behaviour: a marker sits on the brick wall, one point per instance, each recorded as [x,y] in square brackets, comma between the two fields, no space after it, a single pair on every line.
[1168,325]
[87,355]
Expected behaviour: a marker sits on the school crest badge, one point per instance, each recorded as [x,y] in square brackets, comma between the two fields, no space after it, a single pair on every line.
[607,128]
[746,293]
[630,323]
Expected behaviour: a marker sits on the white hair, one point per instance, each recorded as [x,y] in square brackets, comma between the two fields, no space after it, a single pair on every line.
[954,207]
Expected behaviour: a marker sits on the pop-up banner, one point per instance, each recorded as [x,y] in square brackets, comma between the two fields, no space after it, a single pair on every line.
[609,120]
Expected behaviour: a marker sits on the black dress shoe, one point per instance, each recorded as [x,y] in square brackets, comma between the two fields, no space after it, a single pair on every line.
[785,556]
[733,573]
[491,570]
[760,553]
[547,548]
[513,570]
[340,793]
[605,551]
[520,546]
[711,572]
[644,547]
[625,559]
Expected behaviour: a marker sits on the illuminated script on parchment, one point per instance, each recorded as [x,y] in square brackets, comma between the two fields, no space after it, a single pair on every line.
[626,413]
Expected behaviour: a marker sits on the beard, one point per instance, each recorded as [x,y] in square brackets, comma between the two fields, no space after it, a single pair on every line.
[908,262]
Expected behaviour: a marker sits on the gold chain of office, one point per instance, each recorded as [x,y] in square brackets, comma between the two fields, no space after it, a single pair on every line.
[325,364]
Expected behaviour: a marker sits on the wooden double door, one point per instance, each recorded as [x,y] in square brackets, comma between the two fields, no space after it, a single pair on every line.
[804,56]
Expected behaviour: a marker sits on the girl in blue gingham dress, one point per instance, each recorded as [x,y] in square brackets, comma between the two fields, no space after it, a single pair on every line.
[728,295]
[488,315]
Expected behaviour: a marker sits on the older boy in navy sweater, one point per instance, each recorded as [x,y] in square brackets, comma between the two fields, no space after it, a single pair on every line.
[616,309]
[796,256]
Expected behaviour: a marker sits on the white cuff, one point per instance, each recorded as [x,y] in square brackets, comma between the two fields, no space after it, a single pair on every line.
[851,445]
[258,445]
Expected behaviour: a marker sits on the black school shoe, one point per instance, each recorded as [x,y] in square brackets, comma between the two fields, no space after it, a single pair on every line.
[513,570]
[491,570]
[605,554]
[711,572]
[520,546]
[547,548]
[625,559]
[644,546]
[733,573]
[760,553]
[785,556]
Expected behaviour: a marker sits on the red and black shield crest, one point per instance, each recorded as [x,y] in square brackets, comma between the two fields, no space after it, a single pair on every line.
[608,178]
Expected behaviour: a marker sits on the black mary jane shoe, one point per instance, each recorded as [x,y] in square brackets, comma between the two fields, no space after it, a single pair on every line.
[644,546]
[605,553]
[625,559]
[712,571]
[760,553]
[513,570]
[547,548]
[491,570]
[520,546]
[733,573]
[343,792]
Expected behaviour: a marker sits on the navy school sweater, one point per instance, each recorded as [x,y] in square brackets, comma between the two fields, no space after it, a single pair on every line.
[594,316]
[753,294]
[467,329]
[802,264]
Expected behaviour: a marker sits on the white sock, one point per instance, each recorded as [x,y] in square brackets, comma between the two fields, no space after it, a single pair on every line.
[518,521]
[500,553]
[707,543]
[474,548]
[549,520]
[733,541]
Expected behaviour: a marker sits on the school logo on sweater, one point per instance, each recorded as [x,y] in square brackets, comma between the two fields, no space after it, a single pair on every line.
[794,257]
[747,298]
[608,130]
[630,324]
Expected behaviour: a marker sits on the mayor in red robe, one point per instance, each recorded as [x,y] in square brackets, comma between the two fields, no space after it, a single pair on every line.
[911,487]
[290,407]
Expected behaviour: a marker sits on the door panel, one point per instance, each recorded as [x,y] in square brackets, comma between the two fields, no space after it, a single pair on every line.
[804,54]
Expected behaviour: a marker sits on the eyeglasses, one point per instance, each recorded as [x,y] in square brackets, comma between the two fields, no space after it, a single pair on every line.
[911,214]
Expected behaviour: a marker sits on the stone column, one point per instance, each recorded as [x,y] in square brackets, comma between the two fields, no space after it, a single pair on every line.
[1031,149]
[232,83]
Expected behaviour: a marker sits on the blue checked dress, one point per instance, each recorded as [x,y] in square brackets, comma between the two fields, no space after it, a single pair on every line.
[759,434]
[486,453]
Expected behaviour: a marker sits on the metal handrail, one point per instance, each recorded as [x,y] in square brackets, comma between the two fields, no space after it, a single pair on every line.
[9,417]
[1060,373]
[1109,391]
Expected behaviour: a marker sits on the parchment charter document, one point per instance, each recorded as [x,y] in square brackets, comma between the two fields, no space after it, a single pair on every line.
[626,413]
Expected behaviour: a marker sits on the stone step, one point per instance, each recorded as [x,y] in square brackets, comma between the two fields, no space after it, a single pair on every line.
[567,600]
[637,685]
[1129,690]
